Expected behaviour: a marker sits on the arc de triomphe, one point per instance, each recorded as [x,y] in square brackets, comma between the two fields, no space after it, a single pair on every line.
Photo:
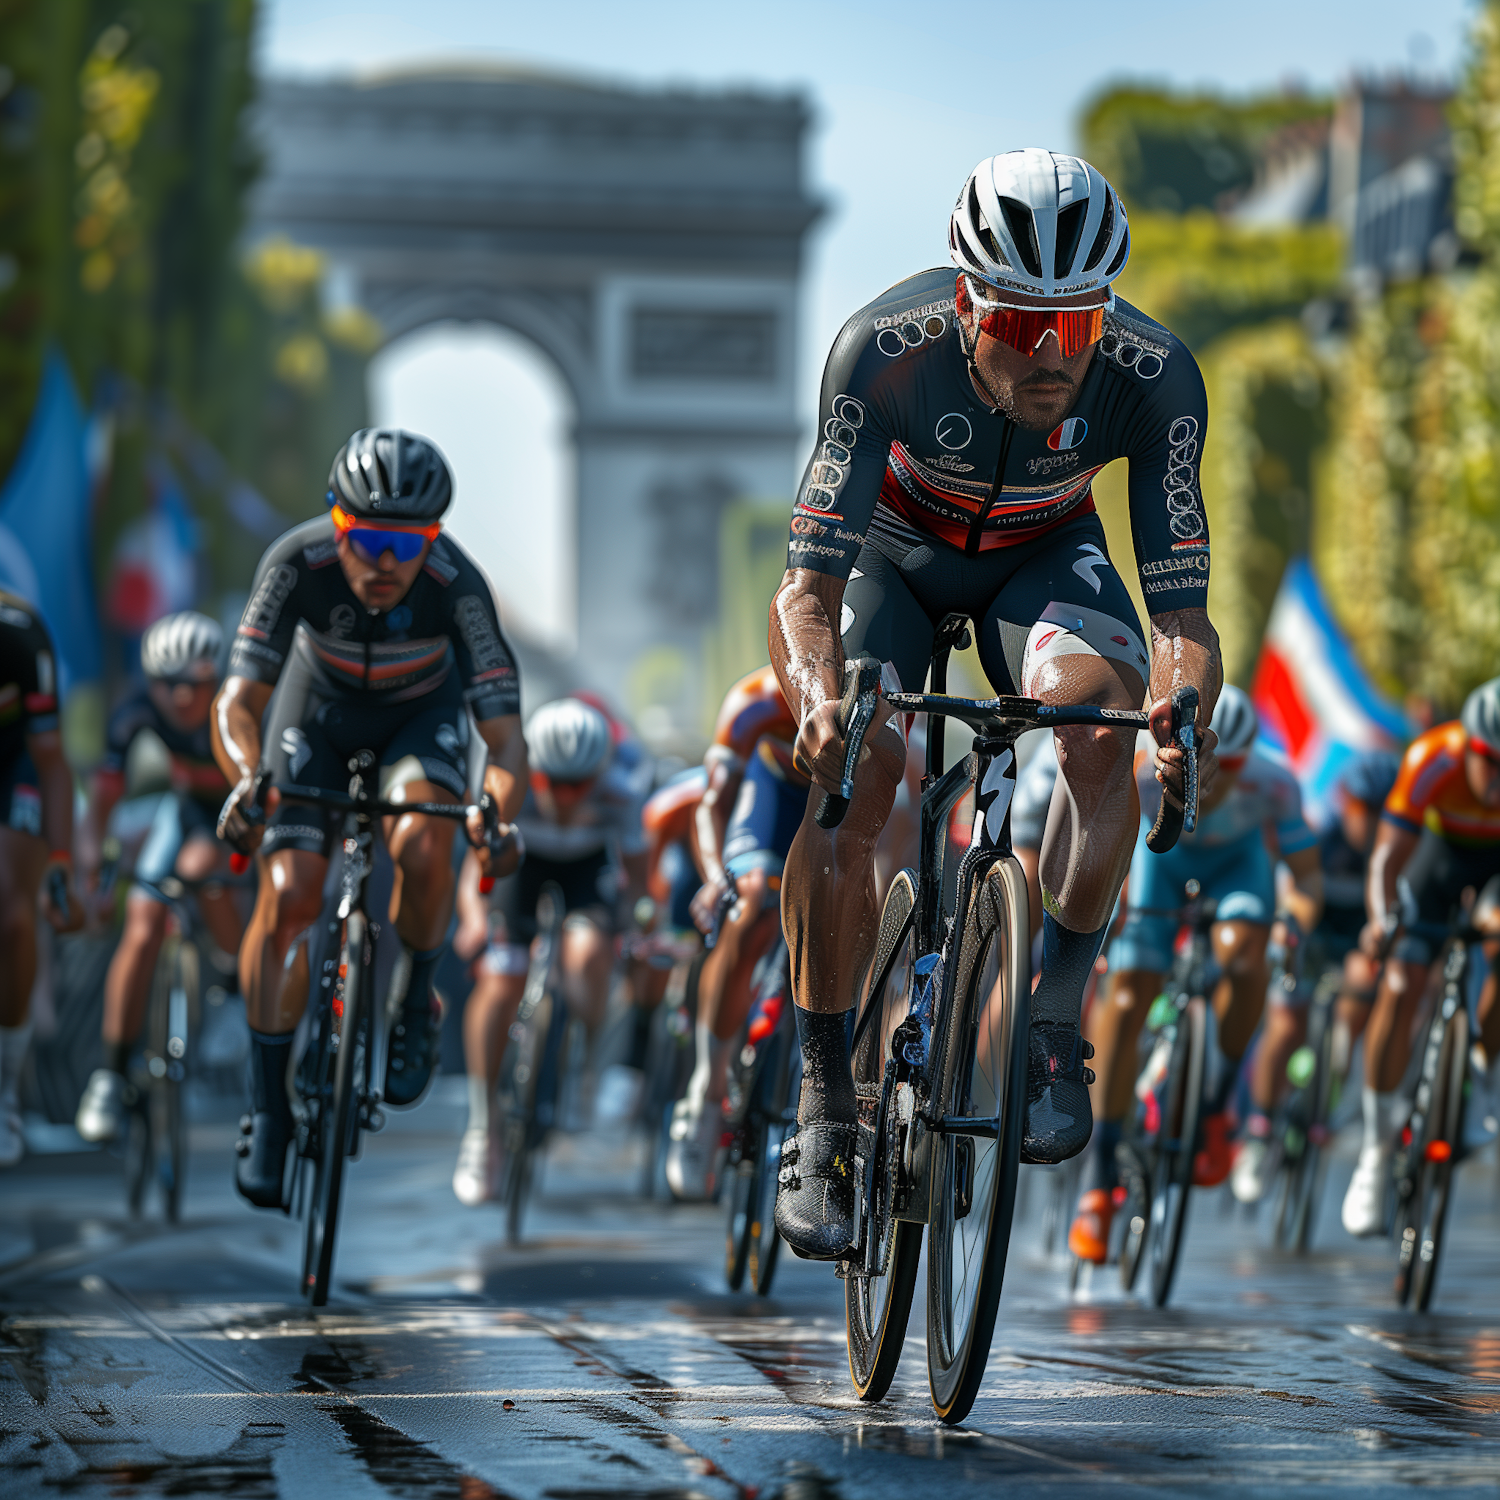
[648,242]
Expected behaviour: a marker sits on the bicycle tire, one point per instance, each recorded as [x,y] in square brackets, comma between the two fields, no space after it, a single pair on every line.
[744,1190]
[983,1077]
[765,1242]
[523,1137]
[877,1306]
[172,1144]
[1305,1186]
[1435,1181]
[1135,1217]
[139,1152]
[337,1120]
[1174,1167]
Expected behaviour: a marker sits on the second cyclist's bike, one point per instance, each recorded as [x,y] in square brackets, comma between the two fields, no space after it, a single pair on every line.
[940,1050]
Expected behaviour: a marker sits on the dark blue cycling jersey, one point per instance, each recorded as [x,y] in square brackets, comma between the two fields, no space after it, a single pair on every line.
[908,454]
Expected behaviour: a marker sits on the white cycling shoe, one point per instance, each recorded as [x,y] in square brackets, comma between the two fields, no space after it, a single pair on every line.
[476,1178]
[1364,1203]
[1247,1178]
[101,1111]
[12,1140]
[693,1148]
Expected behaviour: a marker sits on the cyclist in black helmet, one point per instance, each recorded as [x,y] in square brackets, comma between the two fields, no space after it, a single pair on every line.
[367,628]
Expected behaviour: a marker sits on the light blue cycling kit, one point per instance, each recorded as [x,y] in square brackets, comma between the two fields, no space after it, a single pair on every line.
[1227,855]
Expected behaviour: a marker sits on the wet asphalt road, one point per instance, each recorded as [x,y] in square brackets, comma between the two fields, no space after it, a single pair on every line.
[604,1358]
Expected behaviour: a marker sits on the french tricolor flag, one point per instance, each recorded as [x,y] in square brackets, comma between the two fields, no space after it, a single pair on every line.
[1315,702]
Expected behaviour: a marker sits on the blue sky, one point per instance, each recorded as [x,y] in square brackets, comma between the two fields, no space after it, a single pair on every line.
[907,98]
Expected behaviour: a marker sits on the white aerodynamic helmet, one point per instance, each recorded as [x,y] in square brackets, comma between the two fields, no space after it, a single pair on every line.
[568,740]
[1235,721]
[185,646]
[1039,222]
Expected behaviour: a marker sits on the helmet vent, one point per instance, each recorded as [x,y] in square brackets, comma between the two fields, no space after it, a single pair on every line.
[1022,226]
[1113,269]
[1101,240]
[983,230]
[1069,232]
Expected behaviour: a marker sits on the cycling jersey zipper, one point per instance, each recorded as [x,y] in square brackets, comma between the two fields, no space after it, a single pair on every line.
[976,526]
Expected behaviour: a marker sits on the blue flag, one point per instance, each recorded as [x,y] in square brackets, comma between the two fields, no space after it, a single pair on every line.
[46,529]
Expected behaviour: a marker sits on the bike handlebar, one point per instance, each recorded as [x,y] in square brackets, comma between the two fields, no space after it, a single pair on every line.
[999,715]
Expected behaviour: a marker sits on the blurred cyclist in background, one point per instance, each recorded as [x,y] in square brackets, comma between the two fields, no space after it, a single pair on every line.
[1343,852]
[1253,802]
[744,824]
[1439,835]
[581,828]
[182,657]
[36,838]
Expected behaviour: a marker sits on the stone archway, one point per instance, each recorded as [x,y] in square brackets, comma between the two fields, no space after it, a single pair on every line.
[649,243]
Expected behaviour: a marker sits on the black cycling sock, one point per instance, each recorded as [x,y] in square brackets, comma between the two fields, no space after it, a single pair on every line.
[827,1082]
[423,970]
[640,1039]
[117,1057]
[1067,960]
[268,1059]
[1101,1170]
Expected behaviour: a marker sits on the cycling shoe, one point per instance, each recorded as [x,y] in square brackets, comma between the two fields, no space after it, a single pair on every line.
[101,1111]
[1088,1238]
[1059,1120]
[261,1168]
[815,1197]
[413,1050]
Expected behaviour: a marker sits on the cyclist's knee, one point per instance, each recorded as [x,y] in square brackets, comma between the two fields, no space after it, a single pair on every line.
[1133,990]
[1240,947]
[292,897]
[145,921]
[198,859]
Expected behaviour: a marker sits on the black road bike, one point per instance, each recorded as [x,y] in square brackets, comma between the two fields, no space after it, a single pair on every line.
[1156,1156]
[764,1082]
[1431,1144]
[156,1147]
[940,1049]
[339,1076]
[533,1097]
[1302,1128]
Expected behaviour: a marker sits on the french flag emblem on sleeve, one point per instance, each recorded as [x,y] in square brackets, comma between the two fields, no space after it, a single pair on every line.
[1315,702]
[1068,433]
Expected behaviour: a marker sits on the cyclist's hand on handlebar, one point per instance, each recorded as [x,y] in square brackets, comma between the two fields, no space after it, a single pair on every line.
[498,849]
[819,751]
[706,904]
[242,820]
[61,906]
[1170,756]
[1375,940]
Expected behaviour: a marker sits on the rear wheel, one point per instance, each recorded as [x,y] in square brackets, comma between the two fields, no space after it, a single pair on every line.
[878,1288]
[170,1123]
[1173,1177]
[337,1115]
[983,1079]
[1435,1172]
[524,1133]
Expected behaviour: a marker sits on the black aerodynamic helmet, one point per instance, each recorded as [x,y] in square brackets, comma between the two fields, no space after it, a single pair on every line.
[387,474]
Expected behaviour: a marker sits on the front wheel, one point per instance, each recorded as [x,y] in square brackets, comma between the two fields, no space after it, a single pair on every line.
[878,1285]
[337,1116]
[1435,1171]
[975,1164]
[1180,1117]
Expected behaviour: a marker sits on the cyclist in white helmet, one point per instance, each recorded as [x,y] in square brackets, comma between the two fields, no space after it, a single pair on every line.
[182,659]
[1439,835]
[581,828]
[964,415]
[1254,803]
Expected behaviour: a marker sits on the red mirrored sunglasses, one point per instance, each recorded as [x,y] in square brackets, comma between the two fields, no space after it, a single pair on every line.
[1024,328]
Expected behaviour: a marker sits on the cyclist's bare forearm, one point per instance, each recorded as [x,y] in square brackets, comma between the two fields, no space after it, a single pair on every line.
[808,656]
[505,775]
[1304,900]
[55,783]
[711,818]
[1394,845]
[235,723]
[1185,650]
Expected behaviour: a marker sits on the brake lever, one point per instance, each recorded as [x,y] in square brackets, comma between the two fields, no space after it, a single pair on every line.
[856,714]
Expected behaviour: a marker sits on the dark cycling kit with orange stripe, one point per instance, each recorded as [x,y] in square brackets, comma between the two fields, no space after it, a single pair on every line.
[396,681]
